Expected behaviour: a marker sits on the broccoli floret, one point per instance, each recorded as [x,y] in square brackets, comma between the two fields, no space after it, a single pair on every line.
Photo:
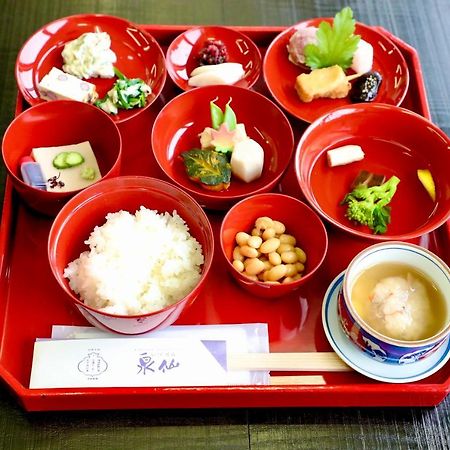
[368,205]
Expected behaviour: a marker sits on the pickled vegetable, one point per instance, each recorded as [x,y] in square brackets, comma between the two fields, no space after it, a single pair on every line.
[427,181]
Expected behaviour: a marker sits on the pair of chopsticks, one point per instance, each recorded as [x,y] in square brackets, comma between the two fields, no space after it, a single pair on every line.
[285,362]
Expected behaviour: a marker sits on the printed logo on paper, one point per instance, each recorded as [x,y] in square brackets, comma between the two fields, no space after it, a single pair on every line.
[92,365]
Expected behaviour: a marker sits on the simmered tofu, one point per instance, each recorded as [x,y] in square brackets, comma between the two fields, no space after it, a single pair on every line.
[72,178]
[247,160]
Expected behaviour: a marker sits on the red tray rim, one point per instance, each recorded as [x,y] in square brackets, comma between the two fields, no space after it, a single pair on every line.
[359,394]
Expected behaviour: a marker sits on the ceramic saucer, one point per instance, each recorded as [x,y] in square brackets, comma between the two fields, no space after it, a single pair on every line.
[363,363]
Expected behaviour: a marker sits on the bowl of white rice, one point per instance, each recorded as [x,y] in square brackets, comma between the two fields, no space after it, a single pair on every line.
[131,253]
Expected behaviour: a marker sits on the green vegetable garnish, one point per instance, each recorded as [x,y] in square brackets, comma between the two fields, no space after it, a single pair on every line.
[335,44]
[207,166]
[368,205]
[218,117]
[88,173]
[119,74]
[229,117]
[127,93]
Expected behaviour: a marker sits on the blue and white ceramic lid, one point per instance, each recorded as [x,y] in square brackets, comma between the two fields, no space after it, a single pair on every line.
[364,364]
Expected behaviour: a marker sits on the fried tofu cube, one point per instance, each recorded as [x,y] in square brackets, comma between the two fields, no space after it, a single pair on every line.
[329,82]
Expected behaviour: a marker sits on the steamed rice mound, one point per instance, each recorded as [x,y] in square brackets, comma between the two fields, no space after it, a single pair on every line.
[137,263]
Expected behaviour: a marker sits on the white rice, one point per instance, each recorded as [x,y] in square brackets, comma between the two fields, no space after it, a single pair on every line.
[137,263]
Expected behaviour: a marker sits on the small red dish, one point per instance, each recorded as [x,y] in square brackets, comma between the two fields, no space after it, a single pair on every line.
[177,128]
[280,73]
[182,54]
[88,209]
[396,142]
[51,124]
[300,221]
[138,56]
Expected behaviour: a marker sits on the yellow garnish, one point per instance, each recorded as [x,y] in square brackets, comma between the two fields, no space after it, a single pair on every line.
[427,181]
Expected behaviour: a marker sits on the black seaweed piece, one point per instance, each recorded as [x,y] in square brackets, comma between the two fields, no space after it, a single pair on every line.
[365,88]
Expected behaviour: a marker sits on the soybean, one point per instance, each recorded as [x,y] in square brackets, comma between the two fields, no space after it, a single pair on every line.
[285,248]
[238,265]
[262,223]
[269,233]
[242,238]
[249,252]
[287,239]
[275,258]
[254,241]
[254,266]
[270,245]
[279,227]
[301,255]
[277,272]
[268,254]
[289,257]
[237,255]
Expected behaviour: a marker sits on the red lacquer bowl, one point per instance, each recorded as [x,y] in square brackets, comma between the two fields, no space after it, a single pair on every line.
[138,56]
[396,142]
[88,209]
[300,221]
[182,54]
[179,123]
[60,122]
[280,73]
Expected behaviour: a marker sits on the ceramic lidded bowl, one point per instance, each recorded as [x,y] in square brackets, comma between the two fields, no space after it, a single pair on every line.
[179,123]
[373,343]
[300,221]
[395,142]
[88,209]
[57,123]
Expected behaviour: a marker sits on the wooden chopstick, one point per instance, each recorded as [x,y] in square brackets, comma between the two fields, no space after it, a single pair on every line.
[305,362]
[297,380]
[354,76]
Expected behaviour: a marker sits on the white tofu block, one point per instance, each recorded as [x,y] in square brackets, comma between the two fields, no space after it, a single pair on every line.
[71,177]
[247,160]
[57,85]
[344,155]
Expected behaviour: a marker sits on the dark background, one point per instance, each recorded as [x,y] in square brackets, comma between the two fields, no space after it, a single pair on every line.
[424,25]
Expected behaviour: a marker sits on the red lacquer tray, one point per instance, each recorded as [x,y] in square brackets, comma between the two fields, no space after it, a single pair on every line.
[31,300]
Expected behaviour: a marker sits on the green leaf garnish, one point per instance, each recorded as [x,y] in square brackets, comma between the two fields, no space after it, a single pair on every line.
[335,44]
[207,166]
[216,115]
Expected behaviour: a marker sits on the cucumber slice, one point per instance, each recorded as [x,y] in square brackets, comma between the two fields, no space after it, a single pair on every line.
[59,161]
[74,159]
